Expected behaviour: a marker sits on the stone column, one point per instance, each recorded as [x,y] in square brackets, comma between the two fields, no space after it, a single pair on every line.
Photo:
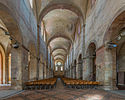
[86,69]
[41,71]
[70,71]
[38,50]
[77,71]
[106,67]
[7,69]
[25,66]
[110,69]
[78,76]
[16,68]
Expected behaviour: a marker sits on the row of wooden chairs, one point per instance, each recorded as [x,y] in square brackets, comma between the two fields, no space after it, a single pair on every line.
[41,84]
[79,84]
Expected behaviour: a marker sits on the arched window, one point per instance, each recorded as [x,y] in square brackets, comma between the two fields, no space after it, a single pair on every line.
[92,3]
[1,69]
[56,68]
[31,3]
[43,33]
[2,65]
[61,68]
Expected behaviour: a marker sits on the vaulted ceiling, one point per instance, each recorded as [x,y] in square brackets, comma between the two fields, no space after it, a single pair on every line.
[60,24]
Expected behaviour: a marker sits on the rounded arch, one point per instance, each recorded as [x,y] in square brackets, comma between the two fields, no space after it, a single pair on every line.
[92,46]
[75,62]
[59,48]
[116,55]
[60,5]
[79,57]
[59,59]
[91,57]
[59,54]
[116,17]
[94,43]
[80,69]
[9,20]
[58,36]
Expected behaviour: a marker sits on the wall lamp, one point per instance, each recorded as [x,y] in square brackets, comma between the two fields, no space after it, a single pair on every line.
[122,34]
[15,45]
[5,31]
[111,45]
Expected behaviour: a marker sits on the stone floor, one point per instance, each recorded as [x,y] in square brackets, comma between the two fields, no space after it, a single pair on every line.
[8,93]
[62,93]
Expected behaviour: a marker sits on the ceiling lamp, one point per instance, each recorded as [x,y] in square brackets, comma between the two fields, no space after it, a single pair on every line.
[123,33]
[119,38]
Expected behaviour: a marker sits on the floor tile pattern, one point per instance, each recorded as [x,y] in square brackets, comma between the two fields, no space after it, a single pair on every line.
[67,94]
[63,93]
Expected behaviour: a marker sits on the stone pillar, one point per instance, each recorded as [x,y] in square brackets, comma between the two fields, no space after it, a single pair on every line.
[86,69]
[25,66]
[41,71]
[77,71]
[45,71]
[16,68]
[38,50]
[7,69]
[110,69]
[71,71]
[106,67]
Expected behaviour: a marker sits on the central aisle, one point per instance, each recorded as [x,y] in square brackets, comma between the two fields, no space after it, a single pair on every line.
[59,84]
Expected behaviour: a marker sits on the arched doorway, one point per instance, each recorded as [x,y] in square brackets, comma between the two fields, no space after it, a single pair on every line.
[80,69]
[120,66]
[92,61]
[2,65]
[115,43]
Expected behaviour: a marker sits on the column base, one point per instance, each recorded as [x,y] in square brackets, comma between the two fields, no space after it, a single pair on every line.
[109,88]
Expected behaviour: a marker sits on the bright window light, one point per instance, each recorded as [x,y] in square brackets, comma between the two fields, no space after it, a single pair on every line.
[31,3]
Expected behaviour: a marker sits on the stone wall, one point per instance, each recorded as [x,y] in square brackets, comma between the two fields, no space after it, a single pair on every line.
[24,18]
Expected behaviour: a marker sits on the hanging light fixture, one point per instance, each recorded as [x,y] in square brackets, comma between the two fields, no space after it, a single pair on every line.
[119,37]
[123,33]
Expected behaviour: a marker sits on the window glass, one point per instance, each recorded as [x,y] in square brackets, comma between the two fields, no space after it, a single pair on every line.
[31,3]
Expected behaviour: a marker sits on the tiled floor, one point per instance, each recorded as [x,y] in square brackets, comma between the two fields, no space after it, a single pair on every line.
[61,93]
[67,94]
